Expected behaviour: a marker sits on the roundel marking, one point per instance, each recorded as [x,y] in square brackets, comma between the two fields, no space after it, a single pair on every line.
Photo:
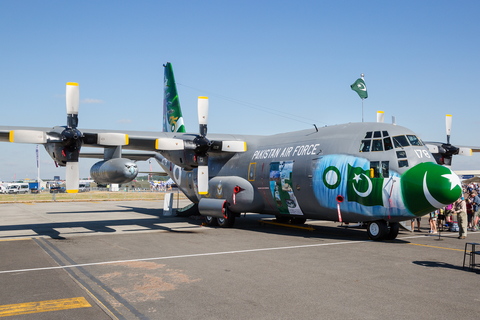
[331,177]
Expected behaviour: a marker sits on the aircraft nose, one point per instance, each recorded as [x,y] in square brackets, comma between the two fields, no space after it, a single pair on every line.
[429,186]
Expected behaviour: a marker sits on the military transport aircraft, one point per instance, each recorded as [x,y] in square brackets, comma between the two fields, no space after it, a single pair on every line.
[376,173]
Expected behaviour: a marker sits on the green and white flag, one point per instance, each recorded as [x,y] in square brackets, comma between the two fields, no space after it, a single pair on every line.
[360,88]
[363,189]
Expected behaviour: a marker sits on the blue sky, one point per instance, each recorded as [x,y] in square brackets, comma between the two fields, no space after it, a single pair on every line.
[258,61]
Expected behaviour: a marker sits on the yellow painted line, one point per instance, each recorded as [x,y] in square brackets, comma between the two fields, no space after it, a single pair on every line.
[43,306]
[424,245]
[29,203]
[287,225]
[15,239]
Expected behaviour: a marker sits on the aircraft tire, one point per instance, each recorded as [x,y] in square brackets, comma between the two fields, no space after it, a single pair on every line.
[297,220]
[282,219]
[227,222]
[377,230]
[393,231]
[211,221]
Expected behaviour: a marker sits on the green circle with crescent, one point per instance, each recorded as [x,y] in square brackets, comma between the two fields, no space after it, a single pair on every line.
[337,172]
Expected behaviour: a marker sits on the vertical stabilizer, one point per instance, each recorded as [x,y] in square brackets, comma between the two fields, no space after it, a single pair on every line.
[172,114]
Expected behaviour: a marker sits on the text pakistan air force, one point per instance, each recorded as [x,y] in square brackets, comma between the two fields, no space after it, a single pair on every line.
[302,150]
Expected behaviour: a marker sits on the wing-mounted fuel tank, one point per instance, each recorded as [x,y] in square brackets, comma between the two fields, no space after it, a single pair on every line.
[232,193]
[117,170]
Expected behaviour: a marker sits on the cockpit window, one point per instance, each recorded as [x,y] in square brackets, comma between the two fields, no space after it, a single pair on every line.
[400,141]
[377,145]
[388,143]
[365,146]
[414,141]
[368,135]
[377,134]
[385,133]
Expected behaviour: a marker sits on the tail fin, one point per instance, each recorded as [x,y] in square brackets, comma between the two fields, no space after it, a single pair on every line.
[172,114]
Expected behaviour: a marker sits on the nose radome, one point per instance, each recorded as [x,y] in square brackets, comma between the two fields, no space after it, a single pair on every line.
[429,186]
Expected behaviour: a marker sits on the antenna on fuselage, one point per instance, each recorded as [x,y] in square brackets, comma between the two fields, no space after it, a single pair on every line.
[315,127]
[394,122]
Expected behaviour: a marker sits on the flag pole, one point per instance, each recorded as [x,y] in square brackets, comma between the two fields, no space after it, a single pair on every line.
[362,75]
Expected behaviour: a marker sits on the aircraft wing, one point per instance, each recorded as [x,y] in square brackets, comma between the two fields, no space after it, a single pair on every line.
[136,156]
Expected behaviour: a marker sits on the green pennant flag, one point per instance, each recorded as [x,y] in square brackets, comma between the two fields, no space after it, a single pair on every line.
[360,88]
[363,189]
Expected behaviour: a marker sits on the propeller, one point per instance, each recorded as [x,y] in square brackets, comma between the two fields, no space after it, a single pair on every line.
[64,143]
[72,138]
[380,116]
[201,146]
[443,152]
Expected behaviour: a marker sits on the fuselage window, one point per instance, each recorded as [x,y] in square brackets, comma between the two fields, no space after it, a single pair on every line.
[385,169]
[385,133]
[365,146]
[377,145]
[377,134]
[402,163]
[414,141]
[400,141]
[401,154]
[374,169]
[388,143]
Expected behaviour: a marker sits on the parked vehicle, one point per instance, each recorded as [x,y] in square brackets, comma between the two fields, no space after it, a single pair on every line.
[83,187]
[14,188]
[57,189]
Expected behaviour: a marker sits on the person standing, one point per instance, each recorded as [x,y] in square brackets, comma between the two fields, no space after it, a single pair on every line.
[460,208]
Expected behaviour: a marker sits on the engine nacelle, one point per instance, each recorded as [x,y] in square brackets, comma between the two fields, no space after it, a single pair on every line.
[117,170]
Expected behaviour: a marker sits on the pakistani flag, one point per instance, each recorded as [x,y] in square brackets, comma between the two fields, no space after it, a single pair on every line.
[363,189]
[360,88]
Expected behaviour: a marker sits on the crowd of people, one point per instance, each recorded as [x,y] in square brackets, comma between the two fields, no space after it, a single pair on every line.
[465,210]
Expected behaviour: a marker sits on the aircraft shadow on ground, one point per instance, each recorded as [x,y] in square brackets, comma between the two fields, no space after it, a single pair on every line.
[102,226]
[249,223]
[439,264]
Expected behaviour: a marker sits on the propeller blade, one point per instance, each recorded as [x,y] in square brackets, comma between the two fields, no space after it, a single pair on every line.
[465,151]
[28,136]
[202,178]
[169,144]
[72,97]
[432,148]
[71,177]
[203,115]
[112,139]
[380,116]
[234,146]
[448,122]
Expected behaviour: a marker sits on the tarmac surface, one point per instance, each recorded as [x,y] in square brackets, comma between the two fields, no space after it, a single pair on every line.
[124,260]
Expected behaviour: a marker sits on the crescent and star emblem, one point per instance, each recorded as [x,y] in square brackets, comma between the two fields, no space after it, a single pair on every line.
[361,86]
[369,189]
[429,197]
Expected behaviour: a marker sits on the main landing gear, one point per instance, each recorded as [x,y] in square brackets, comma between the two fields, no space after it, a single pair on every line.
[227,221]
[379,230]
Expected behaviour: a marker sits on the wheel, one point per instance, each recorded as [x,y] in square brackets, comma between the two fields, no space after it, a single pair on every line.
[298,220]
[377,230]
[227,222]
[211,221]
[282,219]
[393,231]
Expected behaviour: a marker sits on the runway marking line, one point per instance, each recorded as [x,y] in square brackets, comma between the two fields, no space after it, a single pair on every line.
[15,239]
[286,225]
[43,306]
[425,245]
